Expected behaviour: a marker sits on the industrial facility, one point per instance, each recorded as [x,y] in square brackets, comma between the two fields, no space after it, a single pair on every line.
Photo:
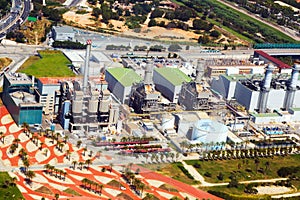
[20,98]
[263,94]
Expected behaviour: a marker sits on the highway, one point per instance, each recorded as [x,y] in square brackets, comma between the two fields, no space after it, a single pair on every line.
[284,30]
[18,15]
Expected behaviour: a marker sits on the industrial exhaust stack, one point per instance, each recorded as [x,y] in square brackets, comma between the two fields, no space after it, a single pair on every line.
[86,65]
[290,96]
[199,71]
[148,75]
[264,93]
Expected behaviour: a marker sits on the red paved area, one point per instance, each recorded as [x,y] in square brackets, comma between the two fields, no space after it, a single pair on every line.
[95,174]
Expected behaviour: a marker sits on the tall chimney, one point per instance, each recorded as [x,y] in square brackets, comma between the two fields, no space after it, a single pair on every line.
[86,65]
[199,71]
[148,75]
[268,76]
[264,93]
[290,93]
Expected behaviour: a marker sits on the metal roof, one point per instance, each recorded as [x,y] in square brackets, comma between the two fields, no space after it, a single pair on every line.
[277,62]
[125,76]
[173,75]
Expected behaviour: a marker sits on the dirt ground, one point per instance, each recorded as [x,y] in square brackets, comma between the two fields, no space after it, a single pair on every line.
[159,33]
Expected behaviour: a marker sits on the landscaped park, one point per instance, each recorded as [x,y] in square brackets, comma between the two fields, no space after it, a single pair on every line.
[45,165]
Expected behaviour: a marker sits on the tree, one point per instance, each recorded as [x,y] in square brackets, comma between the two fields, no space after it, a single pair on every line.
[84,150]
[174,48]
[30,175]
[1,137]
[74,164]
[215,34]
[56,196]
[16,141]
[79,142]
[203,39]
[88,162]
[111,167]
[152,22]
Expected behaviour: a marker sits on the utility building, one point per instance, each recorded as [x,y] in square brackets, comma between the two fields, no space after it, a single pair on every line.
[120,81]
[169,82]
[20,98]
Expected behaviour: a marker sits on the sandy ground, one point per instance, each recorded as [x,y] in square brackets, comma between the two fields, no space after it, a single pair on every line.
[155,183]
[40,155]
[103,179]
[53,161]
[164,194]
[23,137]
[6,119]
[31,147]
[14,128]
[3,129]
[112,191]
[272,189]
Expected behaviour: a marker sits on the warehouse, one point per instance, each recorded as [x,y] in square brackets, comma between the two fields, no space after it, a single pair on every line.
[120,81]
[169,82]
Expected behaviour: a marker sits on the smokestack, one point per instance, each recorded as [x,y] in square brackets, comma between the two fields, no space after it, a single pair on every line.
[199,71]
[264,93]
[86,65]
[290,93]
[295,75]
[268,76]
[148,75]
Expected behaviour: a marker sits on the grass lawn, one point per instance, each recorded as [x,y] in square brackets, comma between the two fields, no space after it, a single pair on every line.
[171,170]
[51,64]
[244,169]
[8,191]
[70,191]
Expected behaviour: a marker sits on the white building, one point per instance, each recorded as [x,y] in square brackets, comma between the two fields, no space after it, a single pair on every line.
[63,33]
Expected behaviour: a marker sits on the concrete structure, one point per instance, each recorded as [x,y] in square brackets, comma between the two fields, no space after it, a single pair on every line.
[20,98]
[169,82]
[196,95]
[120,82]
[207,131]
[63,33]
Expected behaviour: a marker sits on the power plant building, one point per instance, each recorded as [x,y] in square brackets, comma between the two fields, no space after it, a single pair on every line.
[20,98]
[169,82]
[120,81]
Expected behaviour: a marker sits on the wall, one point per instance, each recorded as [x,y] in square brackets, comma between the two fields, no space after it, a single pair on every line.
[247,97]
[276,99]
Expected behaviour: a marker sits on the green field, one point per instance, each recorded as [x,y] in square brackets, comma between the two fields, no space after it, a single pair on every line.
[49,64]
[171,170]
[7,190]
[244,169]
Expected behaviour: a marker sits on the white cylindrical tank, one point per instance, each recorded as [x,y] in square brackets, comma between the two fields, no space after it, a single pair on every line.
[77,106]
[93,106]
[268,76]
[167,122]
[207,131]
[104,106]
[295,75]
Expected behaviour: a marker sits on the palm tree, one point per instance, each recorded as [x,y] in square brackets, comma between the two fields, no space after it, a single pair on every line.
[68,154]
[51,168]
[57,136]
[30,175]
[25,127]
[22,153]
[84,150]
[84,182]
[1,136]
[100,187]
[65,174]
[74,163]
[81,164]
[66,138]
[56,196]
[26,164]
[61,146]
[111,166]
[16,141]
[46,152]
[47,167]
[88,162]
[41,145]
[91,153]
[79,142]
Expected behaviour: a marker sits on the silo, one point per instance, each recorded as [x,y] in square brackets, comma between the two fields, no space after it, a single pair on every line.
[290,93]
[167,122]
[207,131]
[93,106]
[77,106]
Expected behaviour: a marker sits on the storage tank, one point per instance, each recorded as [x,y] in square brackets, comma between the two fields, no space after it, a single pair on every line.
[104,106]
[93,106]
[167,122]
[77,106]
[207,131]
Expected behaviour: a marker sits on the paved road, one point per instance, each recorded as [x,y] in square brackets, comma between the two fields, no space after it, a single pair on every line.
[277,27]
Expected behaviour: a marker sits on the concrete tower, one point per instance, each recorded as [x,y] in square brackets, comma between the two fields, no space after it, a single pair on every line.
[148,75]
[264,93]
[199,71]
[86,65]
[290,94]
[44,2]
